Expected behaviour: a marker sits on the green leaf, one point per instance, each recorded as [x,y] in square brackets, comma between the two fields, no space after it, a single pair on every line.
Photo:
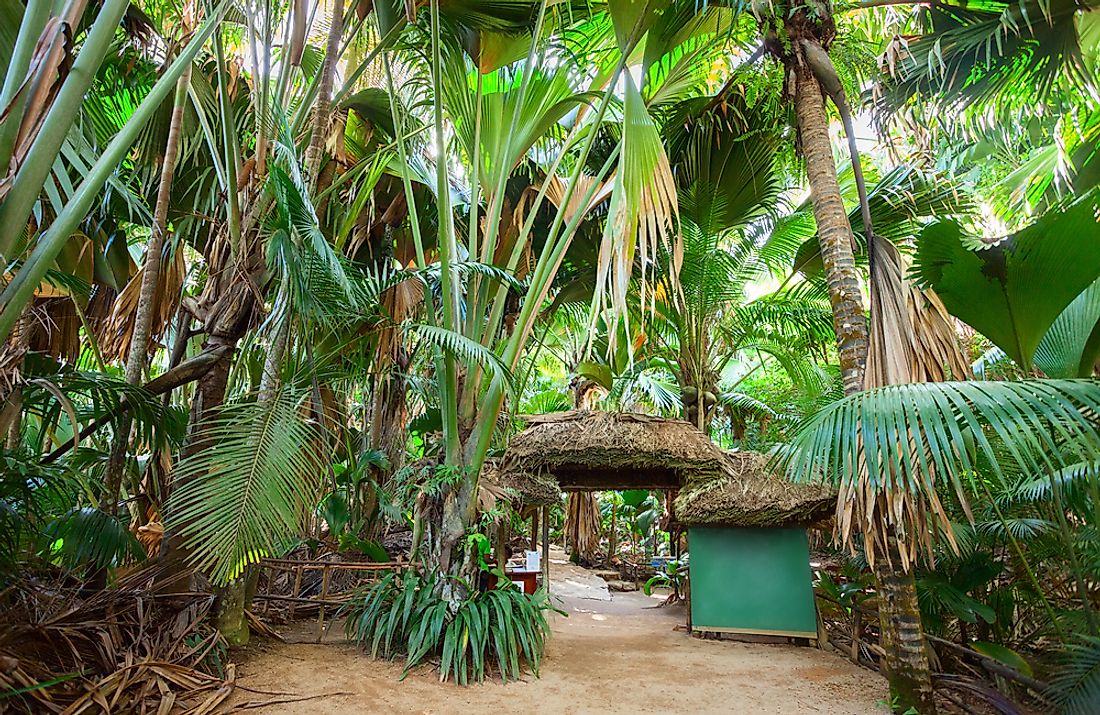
[896,445]
[597,373]
[1003,654]
[246,493]
[1072,345]
[632,18]
[1008,292]
[91,536]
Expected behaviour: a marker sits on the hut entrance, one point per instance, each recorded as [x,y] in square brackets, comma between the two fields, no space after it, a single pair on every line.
[582,452]
[749,566]
[580,478]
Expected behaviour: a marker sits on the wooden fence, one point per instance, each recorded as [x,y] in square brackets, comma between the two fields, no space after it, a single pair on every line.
[304,595]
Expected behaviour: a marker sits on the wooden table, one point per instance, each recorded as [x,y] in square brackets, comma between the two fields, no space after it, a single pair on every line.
[526,580]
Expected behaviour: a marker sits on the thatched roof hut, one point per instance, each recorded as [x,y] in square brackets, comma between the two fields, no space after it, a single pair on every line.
[752,496]
[613,450]
[518,486]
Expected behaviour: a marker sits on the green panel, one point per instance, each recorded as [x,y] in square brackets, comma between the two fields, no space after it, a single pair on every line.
[751,581]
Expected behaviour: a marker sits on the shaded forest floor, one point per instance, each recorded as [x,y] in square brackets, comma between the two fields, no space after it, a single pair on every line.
[608,656]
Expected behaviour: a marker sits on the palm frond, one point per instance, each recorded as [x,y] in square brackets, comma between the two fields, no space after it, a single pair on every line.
[93,537]
[467,351]
[244,494]
[889,448]
[1076,686]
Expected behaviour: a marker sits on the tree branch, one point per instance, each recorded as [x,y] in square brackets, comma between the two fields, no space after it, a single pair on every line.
[185,372]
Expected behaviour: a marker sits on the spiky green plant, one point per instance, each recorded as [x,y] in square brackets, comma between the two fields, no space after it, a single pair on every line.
[501,629]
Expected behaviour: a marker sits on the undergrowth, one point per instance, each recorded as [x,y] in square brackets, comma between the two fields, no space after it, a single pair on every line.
[473,633]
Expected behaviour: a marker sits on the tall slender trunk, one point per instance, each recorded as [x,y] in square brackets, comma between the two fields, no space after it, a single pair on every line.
[834,233]
[906,662]
[150,279]
[323,108]
[11,407]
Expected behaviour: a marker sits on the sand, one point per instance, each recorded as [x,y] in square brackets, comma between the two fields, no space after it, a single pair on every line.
[622,655]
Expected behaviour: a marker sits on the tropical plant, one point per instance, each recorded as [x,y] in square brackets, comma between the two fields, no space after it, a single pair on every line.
[500,629]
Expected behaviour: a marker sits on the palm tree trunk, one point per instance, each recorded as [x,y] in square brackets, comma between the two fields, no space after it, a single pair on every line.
[907,665]
[906,660]
[150,278]
[323,109]
[834,233]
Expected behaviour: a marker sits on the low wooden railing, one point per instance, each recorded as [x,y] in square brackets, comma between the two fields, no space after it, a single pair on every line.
[366,573]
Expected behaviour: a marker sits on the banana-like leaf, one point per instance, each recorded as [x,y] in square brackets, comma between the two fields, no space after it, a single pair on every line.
[245,494]
[1012,292]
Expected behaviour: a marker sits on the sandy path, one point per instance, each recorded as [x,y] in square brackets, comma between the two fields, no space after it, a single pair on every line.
[618,656]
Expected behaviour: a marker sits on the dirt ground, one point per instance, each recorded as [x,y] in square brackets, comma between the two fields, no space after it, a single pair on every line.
[621,655]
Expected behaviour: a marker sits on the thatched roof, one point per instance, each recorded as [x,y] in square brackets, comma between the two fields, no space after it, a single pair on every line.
[752,496]
[518,486]
[614,450]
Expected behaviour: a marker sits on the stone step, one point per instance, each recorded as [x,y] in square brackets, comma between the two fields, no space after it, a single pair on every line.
[609,575]
[621,586]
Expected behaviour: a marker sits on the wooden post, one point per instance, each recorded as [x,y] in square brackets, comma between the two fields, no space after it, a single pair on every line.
[274,572]
[546,548]
[501,546]
[822,634]
[535,529]
[612,537]
[687,597]
[857,626]
[297,589]
[324,597]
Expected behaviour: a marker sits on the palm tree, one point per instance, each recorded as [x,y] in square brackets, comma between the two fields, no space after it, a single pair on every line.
[798,37]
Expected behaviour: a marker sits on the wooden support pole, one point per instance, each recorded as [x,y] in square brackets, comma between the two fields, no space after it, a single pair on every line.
[325,572]
[501,545]
[857,626]
[297,589]
[546,548]
[535,529]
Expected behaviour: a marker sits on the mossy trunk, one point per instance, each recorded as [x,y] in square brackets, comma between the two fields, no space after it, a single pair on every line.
[231,620]
[906,661]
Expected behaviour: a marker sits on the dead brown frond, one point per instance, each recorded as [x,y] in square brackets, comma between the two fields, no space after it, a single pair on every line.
[66,648]
[912,339]
[119,328]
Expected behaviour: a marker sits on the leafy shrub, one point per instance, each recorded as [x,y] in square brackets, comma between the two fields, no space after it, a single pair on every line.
[424,615]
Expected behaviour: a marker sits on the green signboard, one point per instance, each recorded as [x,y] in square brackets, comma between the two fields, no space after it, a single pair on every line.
[751,581]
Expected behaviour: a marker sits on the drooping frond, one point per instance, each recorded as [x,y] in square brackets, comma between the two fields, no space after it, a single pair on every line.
[890,448]
[243,495]
[93,537]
